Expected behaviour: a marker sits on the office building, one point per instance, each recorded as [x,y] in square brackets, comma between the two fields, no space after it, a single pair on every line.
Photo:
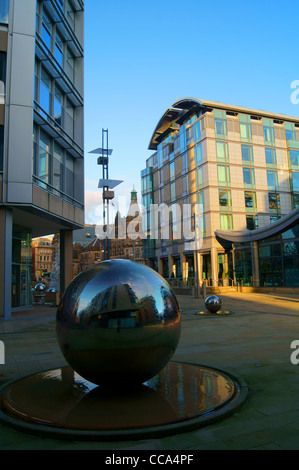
[237,169]
[41,137]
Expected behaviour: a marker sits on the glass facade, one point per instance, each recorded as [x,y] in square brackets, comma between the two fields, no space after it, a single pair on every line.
[21,267]
[4,10]
[278,261]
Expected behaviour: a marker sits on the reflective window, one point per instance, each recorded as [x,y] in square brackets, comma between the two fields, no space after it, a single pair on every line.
[220,124]
[44,158]
[268,131]
[225,201]
[247,154]
[58,105]
[171,171]
[251,222]
[223,175]
[222,151]
[226,221]
[290,131]
[272,179]
[248,177]
[295,181]
[199,178]
[2,76]
[4,10]
[270,156]
[47,30]
[1,147]
[45,94]
[274,202]
[250,201]
[245,127]
[59,49]
[198,155]
[294,158]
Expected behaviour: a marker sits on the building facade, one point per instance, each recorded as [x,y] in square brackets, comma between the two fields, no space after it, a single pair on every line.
[42,261]
[41,136]
[221,169]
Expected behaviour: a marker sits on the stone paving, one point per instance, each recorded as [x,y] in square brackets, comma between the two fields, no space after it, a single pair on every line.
[252,343]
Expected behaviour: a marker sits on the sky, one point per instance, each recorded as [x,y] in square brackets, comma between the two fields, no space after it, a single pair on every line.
[140,57]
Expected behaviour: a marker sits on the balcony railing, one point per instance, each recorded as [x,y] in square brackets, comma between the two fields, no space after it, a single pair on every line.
[56,192]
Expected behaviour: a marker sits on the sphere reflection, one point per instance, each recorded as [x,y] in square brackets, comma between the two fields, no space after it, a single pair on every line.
[213,303]
[118,322]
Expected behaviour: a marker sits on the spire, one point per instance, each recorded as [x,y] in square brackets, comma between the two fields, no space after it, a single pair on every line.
[133,196]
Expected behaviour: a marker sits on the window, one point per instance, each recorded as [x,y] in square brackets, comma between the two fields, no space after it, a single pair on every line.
[59,49]
[268,131]
[69,118]
[44,158]
[295,181]
[172,192]
[58,106]
[2,76]
[47,30]
[220,123]
[171,171]
[182,137]
[250,201]
[57,167]
[248,177]
[223,175]
[290,131]
[225,201]
[197,131]
[70,64]
[198,155]
[1,147]
[295,200]
[274,202]
[69,175]
[247,154]
[222,151]
[272,179]
[199,178]
[270,155]
[294,159]
[45,95]
[70,12]
[251,222]
[226,221]
[4,10]
[245,127]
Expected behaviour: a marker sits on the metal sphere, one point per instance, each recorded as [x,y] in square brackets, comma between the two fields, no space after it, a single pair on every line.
[213,303]
[118,322]
[51,289]
[40,287]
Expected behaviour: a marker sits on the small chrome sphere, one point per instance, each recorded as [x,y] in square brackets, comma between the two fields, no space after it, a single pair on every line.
[51,289]
[213,303]
[118,323]
[40,287]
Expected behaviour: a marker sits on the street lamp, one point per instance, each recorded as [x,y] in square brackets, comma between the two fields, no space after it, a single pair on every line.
[107,185]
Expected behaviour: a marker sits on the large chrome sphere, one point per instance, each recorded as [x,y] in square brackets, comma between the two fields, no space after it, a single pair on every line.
[213,303]
[118,322]
[40,287]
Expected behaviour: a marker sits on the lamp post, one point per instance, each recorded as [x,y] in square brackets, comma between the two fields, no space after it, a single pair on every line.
[106,184]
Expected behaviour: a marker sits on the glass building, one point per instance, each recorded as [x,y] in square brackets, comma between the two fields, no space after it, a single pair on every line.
[222,170]
[41,137]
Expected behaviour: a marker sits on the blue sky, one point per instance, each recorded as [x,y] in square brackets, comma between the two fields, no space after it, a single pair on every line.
[142,56]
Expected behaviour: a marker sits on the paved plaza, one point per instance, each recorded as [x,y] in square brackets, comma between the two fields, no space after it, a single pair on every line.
[252,343]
